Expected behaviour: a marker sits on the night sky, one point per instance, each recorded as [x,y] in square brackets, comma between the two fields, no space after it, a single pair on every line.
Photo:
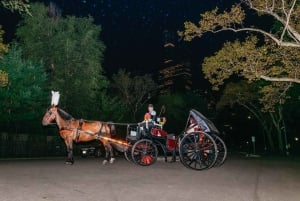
[133,30]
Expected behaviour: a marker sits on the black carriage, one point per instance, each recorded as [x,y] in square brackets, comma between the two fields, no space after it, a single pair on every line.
[199,146]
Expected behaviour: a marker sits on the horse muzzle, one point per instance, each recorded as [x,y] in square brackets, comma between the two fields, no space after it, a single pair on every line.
[45,123]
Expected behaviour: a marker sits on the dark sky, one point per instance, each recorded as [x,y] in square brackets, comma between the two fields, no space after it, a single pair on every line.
[132,30]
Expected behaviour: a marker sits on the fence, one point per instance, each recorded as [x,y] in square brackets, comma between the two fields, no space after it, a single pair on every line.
[29,145]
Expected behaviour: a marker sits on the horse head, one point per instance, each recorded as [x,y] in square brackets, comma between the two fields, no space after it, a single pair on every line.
[49,116]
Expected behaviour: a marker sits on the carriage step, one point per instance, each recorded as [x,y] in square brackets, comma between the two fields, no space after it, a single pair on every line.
[162,158]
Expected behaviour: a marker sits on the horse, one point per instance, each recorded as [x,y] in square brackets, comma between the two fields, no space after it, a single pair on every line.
[78,130]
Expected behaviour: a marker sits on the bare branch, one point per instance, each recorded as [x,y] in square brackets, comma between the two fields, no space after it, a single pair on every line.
[288,17]
[283,21]
[273,5]
[280,79]
[283,9]
[273,37]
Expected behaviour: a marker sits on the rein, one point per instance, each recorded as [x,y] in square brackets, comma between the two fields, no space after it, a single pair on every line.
[52,124]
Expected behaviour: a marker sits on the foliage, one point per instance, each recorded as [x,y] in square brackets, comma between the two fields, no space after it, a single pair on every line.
[280,47]
[3,49]
[176,112]
[3,78]
[285,12]
[111,108]
[245,95]
[177,107]
[251,61]
[213,21]
[274,58]
[238,93]
[21,6]
[70,49]
[133,90]
[23,97]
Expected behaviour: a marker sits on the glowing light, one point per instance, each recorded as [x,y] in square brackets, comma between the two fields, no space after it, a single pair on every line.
[296,139]
[115,141]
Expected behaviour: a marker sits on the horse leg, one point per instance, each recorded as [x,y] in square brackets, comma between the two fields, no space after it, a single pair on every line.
[111,153]
[70,159]
[108,153]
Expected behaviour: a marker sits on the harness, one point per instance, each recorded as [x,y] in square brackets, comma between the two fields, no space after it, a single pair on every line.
[78,130]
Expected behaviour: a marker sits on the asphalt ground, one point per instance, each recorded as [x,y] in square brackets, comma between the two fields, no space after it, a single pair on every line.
[239,179]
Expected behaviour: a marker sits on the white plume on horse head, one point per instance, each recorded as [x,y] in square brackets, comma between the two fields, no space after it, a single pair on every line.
[55,98]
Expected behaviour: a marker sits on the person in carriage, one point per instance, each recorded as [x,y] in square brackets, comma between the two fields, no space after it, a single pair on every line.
[149,120]
[193,126]
[198,122]
[151,123]
[151,114]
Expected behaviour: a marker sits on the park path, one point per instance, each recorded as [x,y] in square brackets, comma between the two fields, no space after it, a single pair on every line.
[239,179]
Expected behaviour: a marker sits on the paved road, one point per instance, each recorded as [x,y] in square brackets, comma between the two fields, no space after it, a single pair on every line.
[239,179]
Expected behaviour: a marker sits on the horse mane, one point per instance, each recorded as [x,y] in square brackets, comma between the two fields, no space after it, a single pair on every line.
[64,114]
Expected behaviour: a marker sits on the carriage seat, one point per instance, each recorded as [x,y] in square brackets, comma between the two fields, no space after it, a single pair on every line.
[158,132]
[193,128]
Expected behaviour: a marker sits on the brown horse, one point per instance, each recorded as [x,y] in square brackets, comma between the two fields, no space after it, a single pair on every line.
[71,130]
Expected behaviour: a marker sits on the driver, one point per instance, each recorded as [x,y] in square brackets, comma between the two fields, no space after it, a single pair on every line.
[151,114]
[149,119]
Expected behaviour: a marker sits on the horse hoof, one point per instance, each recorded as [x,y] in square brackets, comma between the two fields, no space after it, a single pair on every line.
[104,162]
[69,163]
[112,160]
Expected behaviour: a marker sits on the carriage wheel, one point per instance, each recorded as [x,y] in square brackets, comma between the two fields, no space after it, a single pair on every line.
[222,150]
[144,152]
[198,151]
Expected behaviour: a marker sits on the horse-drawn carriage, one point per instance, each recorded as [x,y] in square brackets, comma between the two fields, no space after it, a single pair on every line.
[199,146]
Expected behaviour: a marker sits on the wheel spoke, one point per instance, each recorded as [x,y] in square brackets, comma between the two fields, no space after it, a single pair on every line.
[198,151]
[144,152]
[221,149]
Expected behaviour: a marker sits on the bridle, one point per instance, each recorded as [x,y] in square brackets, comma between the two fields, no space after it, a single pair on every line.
[50,113]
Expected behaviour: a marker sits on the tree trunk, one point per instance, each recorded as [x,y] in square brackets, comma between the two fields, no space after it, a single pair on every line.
[277,120]
[265,124]
[280,141]
[270,139]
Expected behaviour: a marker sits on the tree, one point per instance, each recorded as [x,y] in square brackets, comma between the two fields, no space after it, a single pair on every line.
[3,49]
[246,95]
[12,5]
[21,6]
[248,60]
[177,107]
[134,91]
[111,108]
[284,39]
[269,53]
[70,49]
[23,97]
